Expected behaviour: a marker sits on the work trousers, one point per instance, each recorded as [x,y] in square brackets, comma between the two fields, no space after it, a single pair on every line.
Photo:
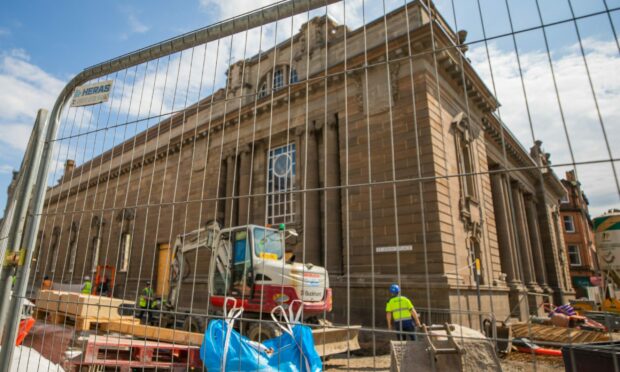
[405,329]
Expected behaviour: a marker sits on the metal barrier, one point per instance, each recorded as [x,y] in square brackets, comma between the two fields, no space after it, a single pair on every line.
[313,152]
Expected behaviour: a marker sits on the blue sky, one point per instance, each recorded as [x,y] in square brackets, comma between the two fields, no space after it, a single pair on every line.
[43,44]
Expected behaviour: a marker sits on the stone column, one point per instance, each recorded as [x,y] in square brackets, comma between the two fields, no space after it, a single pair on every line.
[561,251]
[332,216]
[312,202]
[259,183]
[245,161]
[230,216]
[514,244]
[503,223]
[536,243]
[220,203]
[523,237]
[547,236]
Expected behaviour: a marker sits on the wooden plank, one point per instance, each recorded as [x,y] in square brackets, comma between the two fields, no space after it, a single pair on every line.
[156,333]
[90,306]
[539,332]
[125,319]
[48,300]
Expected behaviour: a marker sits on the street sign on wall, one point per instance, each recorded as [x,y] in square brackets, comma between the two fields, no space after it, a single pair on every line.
[398,248]
[91,94]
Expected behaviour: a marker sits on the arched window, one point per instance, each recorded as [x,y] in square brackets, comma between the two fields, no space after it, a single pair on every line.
[281,171]
[278,79]
[262,91]
[293,76]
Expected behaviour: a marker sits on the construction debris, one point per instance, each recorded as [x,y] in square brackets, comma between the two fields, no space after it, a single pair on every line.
[560,335]
[524,345]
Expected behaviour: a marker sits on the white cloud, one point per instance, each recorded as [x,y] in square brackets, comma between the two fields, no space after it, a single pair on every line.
[15,135]
[581,117]
[231,8]
[6,169]
[136,25]
[4,32]
[25,89]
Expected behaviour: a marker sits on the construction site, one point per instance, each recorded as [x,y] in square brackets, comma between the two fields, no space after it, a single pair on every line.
[326,185]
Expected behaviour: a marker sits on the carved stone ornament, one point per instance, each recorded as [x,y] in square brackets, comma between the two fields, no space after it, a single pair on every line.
[461,124]
[127,214]
[356,77]
[394,71]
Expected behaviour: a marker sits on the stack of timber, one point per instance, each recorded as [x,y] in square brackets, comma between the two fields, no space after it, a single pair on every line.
[560,335]
[81,311]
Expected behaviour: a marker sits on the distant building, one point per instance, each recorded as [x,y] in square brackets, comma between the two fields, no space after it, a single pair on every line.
[578,235]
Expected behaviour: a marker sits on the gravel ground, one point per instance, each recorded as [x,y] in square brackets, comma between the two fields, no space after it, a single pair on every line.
[514,362]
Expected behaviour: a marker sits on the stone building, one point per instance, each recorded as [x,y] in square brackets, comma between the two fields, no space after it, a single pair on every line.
[578,235]
[387,158]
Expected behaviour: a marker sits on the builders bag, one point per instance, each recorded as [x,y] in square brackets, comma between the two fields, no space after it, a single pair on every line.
[225,350]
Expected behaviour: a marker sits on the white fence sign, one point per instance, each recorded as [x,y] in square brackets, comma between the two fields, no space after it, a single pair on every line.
[396,248]
[91,94]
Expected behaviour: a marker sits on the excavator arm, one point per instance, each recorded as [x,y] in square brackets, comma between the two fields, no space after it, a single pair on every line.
[204,238]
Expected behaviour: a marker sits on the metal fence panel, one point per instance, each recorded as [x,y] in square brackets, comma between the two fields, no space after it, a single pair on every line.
[322,151]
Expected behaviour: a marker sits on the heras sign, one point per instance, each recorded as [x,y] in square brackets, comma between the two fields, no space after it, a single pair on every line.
[91,94]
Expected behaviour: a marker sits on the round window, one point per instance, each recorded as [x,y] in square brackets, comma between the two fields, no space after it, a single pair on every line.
[282,165]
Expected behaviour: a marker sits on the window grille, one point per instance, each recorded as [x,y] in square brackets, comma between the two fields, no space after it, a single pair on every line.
[281,183]
[278,79]
[293,76]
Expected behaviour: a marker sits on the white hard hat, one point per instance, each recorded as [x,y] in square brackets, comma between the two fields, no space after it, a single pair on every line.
[87,277]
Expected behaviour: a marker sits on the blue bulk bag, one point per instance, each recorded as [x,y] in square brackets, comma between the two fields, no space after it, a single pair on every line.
[293,351]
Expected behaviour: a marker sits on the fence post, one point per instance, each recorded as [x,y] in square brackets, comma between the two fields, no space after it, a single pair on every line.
[36,162]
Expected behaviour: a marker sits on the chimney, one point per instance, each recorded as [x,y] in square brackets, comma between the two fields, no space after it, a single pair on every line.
[461,36]
[570,176]
[69,167]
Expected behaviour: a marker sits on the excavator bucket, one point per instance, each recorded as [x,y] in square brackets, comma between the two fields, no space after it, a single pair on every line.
[332,340]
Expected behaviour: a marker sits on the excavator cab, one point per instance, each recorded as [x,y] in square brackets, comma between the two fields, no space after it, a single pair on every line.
[232,270]
[238,250]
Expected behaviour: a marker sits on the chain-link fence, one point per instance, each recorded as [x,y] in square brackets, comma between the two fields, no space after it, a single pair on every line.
[343,160]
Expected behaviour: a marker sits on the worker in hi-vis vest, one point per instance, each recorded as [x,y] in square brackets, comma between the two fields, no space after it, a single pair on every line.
[144,302]
[87,286]
[401,314]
